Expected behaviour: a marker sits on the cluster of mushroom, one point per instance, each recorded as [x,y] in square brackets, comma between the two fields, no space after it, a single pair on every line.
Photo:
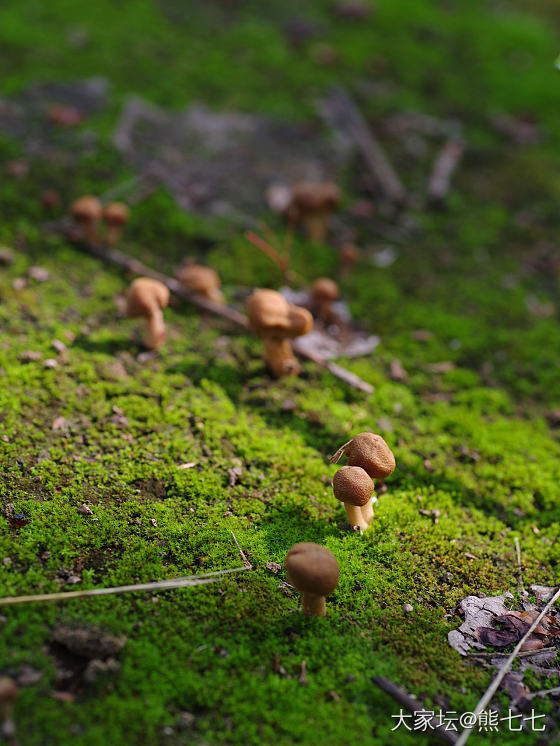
[313,569]
[369,457]
[88,212]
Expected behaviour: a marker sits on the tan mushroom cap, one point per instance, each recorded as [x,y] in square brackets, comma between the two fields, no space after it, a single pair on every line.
[8,694]
[312,569]
[352,484]
[198,278]
[309,195]
[372,453]
[145,296]
[271,314]
[325,289]
[116,213]
[86,209]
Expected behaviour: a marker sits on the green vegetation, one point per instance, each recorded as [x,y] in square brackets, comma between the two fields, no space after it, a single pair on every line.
[471,440]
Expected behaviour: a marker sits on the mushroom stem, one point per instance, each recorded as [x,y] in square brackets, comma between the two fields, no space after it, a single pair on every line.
[315,225]
[89,228]
[155,329]
[355,516]
[313,605]
[114,233]
[279,356]
[367,512]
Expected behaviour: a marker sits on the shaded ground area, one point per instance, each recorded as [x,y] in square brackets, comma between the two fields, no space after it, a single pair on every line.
[466,299]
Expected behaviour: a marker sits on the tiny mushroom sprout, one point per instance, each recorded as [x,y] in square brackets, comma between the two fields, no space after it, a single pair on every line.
[148,298]
[311,205]
[324,292]
[353,486]
[314,571]
[87,212]
[276,321]
[8,694]
[116,216]
[201,280]
[370,452]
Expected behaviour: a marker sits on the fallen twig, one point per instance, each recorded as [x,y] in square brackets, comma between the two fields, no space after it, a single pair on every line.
[246,562]
[413,706]
[160,585]
[489,693]
[524,654]
[445,164]
[341,112]
[519,570]
[114,256]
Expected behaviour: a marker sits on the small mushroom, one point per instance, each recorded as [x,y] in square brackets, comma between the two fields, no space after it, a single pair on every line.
[116,216]
[148,298]
[311,205]
[324,292]
[354,487]
[313,570]
[87,212]
[50,199]
[370,452]
[8,694]
[201,280]
[276,321]
[349,255]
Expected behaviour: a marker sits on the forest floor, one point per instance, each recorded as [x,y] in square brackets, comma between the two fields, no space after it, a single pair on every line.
[173,452]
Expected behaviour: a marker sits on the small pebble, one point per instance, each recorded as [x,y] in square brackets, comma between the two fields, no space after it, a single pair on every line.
[408,608]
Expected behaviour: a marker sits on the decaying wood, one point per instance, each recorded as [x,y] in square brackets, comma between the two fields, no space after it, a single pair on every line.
[444,166]
[342,113]
[120,259]
[160,585]
[413,706]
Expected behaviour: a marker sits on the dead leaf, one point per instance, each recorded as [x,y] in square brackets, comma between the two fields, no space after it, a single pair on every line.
[498,638]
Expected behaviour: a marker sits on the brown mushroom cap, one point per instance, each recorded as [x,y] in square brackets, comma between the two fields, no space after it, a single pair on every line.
[372,453]
[271,314]
[308,195]
[325,289]
[116,213]
[8,691]
[352,484]
[198,278]
[312,569]
[86,209]
[145,296]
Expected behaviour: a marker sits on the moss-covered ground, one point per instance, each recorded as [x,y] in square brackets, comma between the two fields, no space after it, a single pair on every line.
[471,439]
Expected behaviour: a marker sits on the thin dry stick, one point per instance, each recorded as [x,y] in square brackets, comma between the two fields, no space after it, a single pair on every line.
[160,585]
[137,267]
[519,570]
[341,112]
[489,693]
[445,164]
[246,562]
[412,706]
[525,654]
[280,261]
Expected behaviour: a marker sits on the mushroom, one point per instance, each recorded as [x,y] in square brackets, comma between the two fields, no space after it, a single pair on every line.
[311,205]
[349,255]
[370,452]
[201,280]
[87,212]
[8,694]
[50,199]
[313,570]
[116,216]
[276,321]
[324,292]
[354,487]
[148,298]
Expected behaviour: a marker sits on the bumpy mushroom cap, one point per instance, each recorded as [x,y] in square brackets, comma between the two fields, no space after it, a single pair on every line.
[312,569]
[201,280]
[352,484]
[145,296]
[116,213]
[87,209]
[270,314]
[308,195]
[371,452]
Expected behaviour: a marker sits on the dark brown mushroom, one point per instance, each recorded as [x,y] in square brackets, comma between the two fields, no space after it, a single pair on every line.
[87,212]
[314,571]
[147,298]
[115,215]
[8,694]
[324,292]
[276,321]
